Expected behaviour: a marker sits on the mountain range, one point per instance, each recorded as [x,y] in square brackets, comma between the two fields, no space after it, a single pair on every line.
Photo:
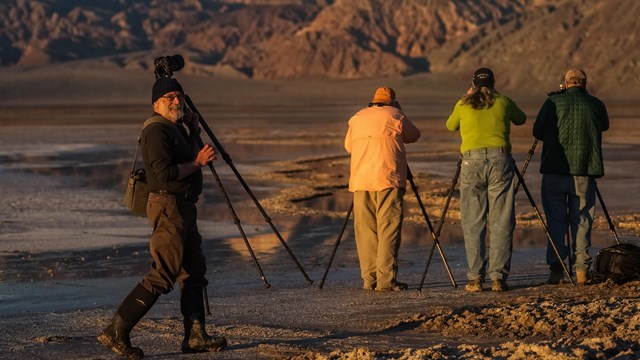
[525,42]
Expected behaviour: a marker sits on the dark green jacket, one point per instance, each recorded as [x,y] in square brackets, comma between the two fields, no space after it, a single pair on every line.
[570,124]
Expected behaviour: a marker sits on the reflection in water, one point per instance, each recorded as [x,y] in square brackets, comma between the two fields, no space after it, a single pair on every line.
[110,171]
[420,234]
[338,201]
[261,244]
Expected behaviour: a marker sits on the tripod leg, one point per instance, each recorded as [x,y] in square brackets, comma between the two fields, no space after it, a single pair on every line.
[237,222]
[542,223]
[441,223]
[532,149]
[206,301]
[606,213]
[436,241]
[229,162]
[335,247]
[570,248]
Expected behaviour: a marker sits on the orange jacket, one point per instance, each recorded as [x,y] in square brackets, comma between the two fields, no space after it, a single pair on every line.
[375,140]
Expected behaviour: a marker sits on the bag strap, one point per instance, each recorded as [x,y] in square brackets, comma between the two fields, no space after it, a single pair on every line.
[152,119]
[149,121]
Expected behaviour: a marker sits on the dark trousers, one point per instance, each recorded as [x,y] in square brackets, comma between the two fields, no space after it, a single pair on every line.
[175,245]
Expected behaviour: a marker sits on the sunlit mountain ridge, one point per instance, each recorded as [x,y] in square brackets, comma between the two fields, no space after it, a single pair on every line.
[525,41]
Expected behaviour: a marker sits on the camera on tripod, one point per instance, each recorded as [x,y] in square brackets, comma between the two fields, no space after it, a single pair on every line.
[164,66]
[559,91]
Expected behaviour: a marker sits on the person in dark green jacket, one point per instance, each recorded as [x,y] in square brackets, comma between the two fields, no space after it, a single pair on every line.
[570,125]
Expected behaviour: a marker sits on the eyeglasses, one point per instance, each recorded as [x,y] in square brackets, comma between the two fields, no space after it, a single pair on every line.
[171,98]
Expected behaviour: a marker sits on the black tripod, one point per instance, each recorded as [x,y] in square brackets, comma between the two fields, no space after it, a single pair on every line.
[568,237]
[443,216]
[436,242]
[606,213]
[520,176]
[434,234]
[229,162]
[532,150]
[540,219]
[335,246]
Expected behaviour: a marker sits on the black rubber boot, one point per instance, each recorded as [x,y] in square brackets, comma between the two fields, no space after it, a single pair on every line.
[196,338]
[133,308]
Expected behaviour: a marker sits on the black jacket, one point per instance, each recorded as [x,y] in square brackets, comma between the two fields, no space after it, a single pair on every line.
[164,147]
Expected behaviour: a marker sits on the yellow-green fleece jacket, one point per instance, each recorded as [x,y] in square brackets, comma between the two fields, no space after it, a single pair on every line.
[488,127]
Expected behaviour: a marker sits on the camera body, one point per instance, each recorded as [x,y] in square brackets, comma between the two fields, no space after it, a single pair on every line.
[560,91]
[165,66]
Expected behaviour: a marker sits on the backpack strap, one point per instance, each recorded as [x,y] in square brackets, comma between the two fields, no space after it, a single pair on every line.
[149,121]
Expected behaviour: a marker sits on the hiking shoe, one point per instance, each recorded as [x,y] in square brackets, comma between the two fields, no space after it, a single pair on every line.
[556,277]
[116,338]
[581,277]
[499,285]
[196,339]
[369,287]
[474,285]
[395,286]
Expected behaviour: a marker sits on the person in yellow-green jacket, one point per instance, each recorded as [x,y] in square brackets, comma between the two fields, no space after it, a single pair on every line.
[484,117]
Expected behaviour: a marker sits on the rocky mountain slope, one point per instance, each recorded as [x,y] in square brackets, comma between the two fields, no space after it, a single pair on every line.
[599,36]
[523,40]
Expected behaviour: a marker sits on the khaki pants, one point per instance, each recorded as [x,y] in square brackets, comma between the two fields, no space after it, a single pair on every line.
[175,245]
[378,225]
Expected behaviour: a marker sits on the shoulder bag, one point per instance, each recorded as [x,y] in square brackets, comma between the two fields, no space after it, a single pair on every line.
[137,193]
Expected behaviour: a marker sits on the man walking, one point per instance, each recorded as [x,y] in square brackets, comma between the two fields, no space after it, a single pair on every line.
[173,163]
[570,124]
[375,140]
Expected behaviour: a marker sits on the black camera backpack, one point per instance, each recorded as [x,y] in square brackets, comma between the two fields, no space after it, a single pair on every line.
[619,263]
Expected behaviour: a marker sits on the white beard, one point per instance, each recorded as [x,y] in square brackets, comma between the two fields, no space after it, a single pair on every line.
[180,113]
[173,114]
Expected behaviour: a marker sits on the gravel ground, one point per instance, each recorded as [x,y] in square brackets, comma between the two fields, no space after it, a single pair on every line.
[69,253]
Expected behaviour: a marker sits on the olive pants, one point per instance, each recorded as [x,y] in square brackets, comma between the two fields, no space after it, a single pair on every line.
[175,245]
[378,225]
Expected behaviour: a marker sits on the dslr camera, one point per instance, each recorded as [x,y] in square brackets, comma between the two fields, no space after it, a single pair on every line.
[559,91]
[164,66]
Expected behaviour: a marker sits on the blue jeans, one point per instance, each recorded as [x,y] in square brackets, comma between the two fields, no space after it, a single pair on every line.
[569,202]
[487,193]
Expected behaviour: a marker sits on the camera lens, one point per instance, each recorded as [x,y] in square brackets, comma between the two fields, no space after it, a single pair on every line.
[176,62]
[166,65]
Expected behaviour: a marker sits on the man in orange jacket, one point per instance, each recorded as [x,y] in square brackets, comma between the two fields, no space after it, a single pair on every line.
[375,140]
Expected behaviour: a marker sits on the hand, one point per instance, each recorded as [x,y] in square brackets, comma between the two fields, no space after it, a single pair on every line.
[206,155]
[471,90]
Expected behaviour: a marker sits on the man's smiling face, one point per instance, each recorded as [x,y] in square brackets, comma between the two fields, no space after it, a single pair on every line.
[170,105]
